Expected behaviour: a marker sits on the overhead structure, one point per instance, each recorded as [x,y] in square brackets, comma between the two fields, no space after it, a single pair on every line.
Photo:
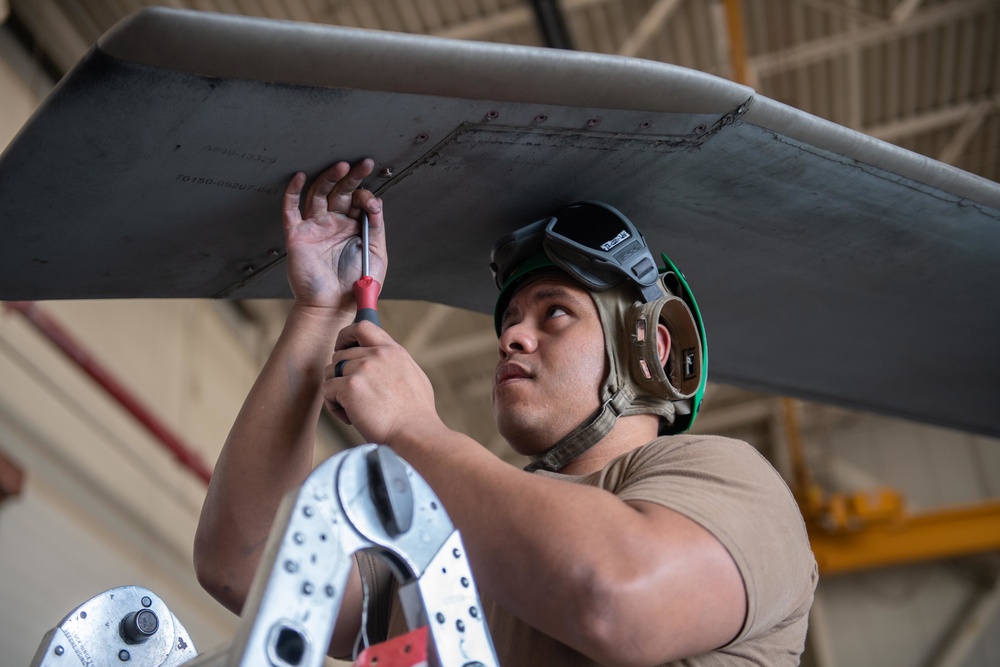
[828,265]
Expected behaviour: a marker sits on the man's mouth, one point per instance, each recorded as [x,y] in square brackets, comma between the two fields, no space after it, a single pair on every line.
[510,372]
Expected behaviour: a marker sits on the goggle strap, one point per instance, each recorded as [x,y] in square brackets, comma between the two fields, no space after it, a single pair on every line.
[651,293]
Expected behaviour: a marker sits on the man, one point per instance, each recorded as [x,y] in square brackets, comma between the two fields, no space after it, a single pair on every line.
[621,548]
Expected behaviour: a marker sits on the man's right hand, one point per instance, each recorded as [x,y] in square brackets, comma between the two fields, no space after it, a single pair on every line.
[323,239]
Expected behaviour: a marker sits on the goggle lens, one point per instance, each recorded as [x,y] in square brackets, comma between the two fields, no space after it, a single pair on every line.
[592,227]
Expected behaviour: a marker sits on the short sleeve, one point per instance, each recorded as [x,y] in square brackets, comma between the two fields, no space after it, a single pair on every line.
[732,491]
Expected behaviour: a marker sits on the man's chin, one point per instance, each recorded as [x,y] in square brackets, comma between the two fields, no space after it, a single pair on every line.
[525,439]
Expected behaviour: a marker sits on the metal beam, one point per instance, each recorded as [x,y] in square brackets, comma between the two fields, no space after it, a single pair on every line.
[974,621]
[54,31]
[922,537]
[552,24]
[517,17]
[931,120]
[855,111]
[843,11]
[649,25]
[508,19]
[823,49]
[964,133]
[737,41]
[420,334]
[904,10]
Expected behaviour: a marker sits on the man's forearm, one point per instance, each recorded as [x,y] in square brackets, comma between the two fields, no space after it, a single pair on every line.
[268,452]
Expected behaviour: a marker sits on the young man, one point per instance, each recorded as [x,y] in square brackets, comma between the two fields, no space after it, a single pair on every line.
[619,547]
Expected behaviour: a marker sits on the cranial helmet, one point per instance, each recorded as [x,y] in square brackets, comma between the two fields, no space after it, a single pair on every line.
[598,247]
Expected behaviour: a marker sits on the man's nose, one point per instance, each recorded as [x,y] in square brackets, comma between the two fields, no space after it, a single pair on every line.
[517,338]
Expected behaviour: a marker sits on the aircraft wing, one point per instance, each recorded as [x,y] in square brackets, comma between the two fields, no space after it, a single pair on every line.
[828,265]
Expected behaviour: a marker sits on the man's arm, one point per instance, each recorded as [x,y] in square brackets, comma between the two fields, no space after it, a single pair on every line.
[269,450]
[661,588]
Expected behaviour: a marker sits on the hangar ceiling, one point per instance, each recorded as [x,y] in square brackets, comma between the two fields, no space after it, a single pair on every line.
[922,74]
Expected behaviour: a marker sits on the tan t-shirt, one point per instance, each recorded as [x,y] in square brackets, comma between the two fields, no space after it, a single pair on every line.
[732,491]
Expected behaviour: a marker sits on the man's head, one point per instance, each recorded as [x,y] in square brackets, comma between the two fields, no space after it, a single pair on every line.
[594,248]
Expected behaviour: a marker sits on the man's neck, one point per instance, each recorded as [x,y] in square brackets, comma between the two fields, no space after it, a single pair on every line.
[627,434]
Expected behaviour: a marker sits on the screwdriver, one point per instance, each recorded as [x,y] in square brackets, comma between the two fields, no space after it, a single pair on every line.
[366,289]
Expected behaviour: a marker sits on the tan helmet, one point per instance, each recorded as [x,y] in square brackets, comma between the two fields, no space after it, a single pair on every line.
[637,383]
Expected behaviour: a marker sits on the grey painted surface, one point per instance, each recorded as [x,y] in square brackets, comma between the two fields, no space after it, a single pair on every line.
[829,265]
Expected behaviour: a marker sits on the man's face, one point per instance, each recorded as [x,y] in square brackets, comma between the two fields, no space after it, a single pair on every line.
[552,364]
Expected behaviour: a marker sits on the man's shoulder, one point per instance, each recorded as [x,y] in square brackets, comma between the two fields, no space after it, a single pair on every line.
[724,465]
[691,445]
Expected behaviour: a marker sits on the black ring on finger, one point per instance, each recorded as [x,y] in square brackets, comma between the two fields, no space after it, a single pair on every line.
[338,368]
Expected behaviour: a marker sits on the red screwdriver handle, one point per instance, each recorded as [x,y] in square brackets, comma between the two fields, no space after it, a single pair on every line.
[366,291]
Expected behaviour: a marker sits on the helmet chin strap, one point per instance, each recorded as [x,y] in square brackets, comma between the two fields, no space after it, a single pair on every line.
[584,436]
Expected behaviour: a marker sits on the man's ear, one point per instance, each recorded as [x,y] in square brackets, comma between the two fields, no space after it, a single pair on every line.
[662,343]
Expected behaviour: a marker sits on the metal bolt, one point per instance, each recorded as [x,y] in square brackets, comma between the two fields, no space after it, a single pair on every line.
[146,602]
[124,655]
[307,588]
[307,510]
[299,538]
[329,591]
[465,582]
[440,617]
[386,172]
[59,650]
[273,252]
[83,614]
[460,625]
[474,612]
[291,566]
[138,626]
[594,122]
[644,125]
[492,115]
[456,553]
[700,129]
[249,269]
[541,118]
[422,137]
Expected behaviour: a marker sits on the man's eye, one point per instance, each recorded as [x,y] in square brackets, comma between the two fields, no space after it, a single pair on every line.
[556,311]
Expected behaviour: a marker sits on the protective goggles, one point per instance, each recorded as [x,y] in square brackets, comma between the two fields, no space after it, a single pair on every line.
[591,241]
